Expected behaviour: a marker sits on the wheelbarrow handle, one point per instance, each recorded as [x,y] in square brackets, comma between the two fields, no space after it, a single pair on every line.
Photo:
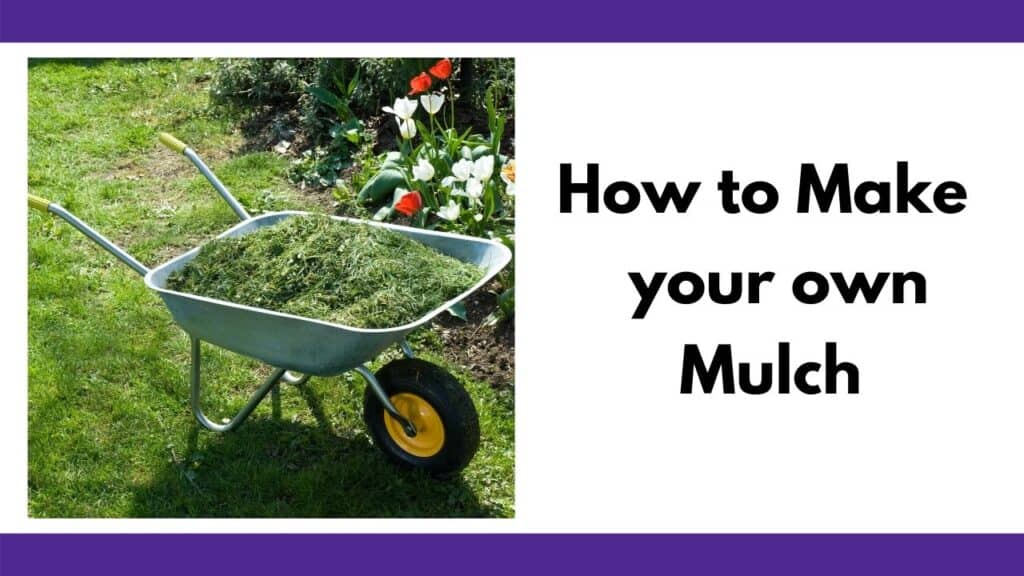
[44,205]
[171,142]
[180,147]
[37,203]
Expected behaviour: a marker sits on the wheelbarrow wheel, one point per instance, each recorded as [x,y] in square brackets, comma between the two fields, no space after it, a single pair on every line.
[447,427]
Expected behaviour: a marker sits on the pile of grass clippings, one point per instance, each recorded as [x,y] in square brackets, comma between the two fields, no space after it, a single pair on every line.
[317,267]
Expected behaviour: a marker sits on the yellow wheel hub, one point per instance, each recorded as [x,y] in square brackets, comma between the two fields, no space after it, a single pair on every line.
[429,429]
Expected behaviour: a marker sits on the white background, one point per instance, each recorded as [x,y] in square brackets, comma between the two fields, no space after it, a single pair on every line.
[605,442]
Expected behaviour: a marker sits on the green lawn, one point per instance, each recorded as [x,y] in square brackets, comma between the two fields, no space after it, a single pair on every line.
[110,431]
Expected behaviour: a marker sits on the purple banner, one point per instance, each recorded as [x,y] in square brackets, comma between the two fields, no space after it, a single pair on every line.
[521,21]
[835,555]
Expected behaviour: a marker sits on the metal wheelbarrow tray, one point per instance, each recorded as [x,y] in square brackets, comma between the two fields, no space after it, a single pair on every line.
[416,412]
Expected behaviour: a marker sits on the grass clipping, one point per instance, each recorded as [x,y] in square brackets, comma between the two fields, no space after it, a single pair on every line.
[318,267]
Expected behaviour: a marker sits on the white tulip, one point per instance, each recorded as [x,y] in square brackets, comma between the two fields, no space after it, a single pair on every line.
[483,168]
[403,108]
[423,171]
[478,217]
[432,102]
[407,128]
[462,170]
[474,189]
[449,212]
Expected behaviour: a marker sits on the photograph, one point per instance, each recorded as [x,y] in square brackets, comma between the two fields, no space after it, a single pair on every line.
[271,288]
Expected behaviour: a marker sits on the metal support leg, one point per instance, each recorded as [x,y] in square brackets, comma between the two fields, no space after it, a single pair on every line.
[294,378]
[378,391]
[270,383]
[275,401]
[406,349]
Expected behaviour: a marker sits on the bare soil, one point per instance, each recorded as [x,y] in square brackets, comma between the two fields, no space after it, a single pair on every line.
[488,352]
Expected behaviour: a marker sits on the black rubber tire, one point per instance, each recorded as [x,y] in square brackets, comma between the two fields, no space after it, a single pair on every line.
[446,395]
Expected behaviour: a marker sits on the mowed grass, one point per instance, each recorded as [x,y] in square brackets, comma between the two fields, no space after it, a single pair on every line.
[110,430]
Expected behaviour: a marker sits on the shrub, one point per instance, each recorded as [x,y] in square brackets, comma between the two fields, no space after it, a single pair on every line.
[253,83]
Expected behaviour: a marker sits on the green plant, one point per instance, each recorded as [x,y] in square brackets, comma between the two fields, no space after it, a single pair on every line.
[323,165]
[443,178]
[484,78]
[260,82]
[506,295]
[440,177]
[383,77]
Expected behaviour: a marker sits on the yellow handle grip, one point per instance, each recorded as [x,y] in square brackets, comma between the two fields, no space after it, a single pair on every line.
[172,142]
[41,204]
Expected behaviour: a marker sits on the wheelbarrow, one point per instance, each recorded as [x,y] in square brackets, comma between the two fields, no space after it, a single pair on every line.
[416,412]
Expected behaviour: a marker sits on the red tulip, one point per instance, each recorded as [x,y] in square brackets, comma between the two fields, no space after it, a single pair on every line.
[419,84]
[409,204]
[442,69]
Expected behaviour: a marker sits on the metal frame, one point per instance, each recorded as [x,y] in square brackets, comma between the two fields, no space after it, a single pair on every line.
[196,395]
[272,385]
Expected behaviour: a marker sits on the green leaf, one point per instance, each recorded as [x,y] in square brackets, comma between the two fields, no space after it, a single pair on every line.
[381,185]
[393,161]
[343,110]
[507,301]
[351,130]
[485,149]
[395,197]
[495,121]
[326,96]
[459,311]
[353,83]
[341,191]
[425,133]
[499,205]
[489,202]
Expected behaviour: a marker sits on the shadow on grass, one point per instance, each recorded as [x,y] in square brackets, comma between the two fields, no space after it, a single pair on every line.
[274,468]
